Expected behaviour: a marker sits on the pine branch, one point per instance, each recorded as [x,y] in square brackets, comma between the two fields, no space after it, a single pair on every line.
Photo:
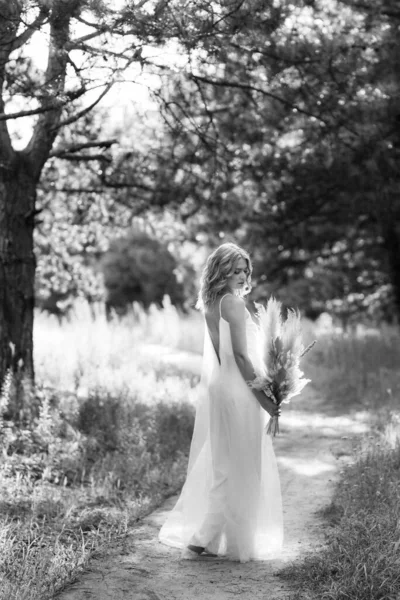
[29,113]
[58,104]
[120,185]
[84,111]
[99,51]
[31,29]
[60,152]
[246,86]
[84,157]
[79,190]
[77,43]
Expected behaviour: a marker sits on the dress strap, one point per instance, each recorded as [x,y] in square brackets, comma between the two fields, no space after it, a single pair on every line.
[228,294]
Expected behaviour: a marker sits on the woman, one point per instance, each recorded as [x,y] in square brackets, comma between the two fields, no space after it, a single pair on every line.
[230,504]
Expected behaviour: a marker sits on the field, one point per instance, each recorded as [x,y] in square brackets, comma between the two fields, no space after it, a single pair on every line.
[114,431]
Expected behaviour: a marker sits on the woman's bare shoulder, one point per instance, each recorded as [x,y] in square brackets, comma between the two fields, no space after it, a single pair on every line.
[232,307]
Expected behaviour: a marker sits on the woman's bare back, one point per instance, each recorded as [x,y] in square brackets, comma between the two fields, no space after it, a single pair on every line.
[212,316]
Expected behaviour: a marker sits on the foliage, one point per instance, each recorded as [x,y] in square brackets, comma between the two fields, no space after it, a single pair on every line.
[81,214]
[82,208]
[139,268]
[308,175]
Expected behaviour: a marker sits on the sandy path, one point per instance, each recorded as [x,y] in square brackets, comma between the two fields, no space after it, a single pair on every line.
[310,452]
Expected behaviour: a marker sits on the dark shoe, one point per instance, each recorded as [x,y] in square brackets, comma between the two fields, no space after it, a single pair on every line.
[197,549]
[200,550]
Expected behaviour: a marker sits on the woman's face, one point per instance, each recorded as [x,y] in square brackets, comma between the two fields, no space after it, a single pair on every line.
[239,277]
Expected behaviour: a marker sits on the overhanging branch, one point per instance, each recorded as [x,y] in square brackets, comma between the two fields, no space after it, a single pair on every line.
[75,43]
[248,87]
[60,152]
[86,110]
[58,104]
[31,28]
[32,112]
[84,157]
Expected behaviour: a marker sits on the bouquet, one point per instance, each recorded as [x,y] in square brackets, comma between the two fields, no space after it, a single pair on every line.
[283,348]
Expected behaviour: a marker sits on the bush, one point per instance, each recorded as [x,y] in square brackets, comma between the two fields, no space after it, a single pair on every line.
[139,268]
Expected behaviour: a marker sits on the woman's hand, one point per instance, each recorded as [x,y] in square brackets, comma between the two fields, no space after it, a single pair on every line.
[274,410]
[267,404]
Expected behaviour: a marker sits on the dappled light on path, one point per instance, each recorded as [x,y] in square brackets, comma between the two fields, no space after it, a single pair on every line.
[305,467]
[324,424]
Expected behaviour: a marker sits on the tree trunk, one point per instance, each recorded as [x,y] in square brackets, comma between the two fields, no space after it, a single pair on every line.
[17,274]
[391,243]
[19,176]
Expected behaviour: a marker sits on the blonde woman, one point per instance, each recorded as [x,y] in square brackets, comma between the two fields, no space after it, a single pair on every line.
[230,504]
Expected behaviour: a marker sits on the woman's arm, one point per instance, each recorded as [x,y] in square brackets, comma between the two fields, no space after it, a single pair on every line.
[233,311]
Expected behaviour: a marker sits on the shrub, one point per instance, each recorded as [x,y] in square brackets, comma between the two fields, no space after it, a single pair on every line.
[139,268]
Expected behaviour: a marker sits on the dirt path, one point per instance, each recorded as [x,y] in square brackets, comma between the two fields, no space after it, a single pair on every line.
[311,451]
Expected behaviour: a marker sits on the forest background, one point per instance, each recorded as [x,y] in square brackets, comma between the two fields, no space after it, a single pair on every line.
[134,138]
[306,178]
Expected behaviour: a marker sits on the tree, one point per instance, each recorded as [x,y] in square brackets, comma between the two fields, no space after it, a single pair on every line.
[90,47]
[288,140]
[53,99]
[52,102]
[293,125]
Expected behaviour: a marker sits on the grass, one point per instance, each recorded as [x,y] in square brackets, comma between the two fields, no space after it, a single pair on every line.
[89,351]
[360,560]
[74,482]
[110,443]
[357,370]
[113,434]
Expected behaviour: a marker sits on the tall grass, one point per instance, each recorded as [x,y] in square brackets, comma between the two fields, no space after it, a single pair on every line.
[110,442]
[357,370]
[89,350]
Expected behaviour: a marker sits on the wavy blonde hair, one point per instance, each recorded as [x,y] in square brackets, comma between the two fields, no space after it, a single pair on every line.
[219,267]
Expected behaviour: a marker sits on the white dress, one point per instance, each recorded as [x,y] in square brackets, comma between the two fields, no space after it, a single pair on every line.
[231,500]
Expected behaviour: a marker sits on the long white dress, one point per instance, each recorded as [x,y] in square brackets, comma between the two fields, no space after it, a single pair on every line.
[231,500]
